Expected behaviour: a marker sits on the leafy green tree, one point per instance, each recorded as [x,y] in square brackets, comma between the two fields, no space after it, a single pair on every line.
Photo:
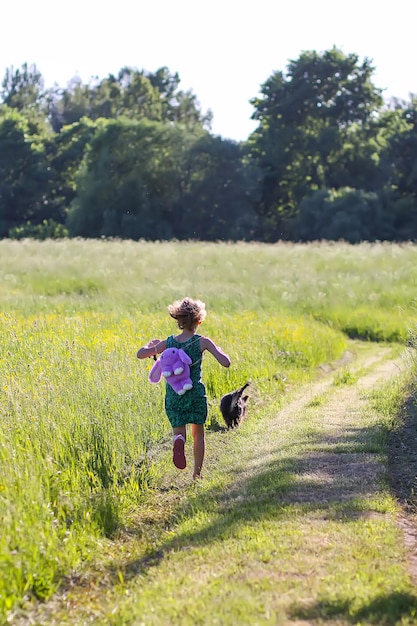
[219,192]
[48,229]
[402,151]
[311,122]
[138,97]
[24,175]
[158,181]
[177,105]
[132,94]
[22,88]
[399,124]
[349,214]
[129,181]
[65,152]
[69,105]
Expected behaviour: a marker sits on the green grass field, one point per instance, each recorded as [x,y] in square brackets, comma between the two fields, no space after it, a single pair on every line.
[83,431]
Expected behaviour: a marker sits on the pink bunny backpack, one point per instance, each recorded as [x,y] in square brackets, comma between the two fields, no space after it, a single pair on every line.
[174,366]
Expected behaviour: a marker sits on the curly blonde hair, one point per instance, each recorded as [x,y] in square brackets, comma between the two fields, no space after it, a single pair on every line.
[188,313]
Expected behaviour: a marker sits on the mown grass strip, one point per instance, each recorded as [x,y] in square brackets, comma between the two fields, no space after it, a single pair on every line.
[291,537]
[295,521]
[81,426]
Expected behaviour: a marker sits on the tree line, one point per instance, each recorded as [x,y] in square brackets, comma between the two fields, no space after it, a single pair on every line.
[133,156]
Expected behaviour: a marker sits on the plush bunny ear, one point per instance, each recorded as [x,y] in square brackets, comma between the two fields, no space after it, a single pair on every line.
[156,372]
[184,357]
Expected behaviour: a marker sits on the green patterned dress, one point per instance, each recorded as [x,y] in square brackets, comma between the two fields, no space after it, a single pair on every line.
[190,408]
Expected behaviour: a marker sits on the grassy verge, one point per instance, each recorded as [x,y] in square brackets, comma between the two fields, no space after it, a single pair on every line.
[281,533]
[365,290]
[295,521]
[82,427]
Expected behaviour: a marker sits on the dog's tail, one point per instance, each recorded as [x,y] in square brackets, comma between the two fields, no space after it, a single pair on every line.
[242,389]
[230,400]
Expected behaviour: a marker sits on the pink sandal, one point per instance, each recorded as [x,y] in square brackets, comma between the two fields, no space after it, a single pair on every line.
[178,456]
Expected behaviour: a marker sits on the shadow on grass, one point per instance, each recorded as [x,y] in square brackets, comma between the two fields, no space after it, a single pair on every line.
[335,479]
[402,457]
[324,481]
[384,610]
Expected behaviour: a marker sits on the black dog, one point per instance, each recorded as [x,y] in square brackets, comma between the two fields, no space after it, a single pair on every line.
[233,406]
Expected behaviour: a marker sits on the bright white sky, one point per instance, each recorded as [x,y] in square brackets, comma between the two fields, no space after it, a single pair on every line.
[223,50]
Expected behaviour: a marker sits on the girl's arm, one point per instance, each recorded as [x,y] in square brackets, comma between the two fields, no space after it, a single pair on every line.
[152,348]
[210,346]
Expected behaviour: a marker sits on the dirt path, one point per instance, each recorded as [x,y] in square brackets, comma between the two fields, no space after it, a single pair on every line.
[338,412]
[341,405]
[338,468]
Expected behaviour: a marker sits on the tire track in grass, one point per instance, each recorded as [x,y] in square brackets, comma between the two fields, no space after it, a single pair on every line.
[321,407]
[339,474]
[335,471]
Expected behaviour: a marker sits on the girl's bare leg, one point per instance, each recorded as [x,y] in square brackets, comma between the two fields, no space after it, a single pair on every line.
[179,430]
[197,431]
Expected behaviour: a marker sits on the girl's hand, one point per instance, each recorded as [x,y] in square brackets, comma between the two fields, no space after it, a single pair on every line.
[152,343]
[152,349]
[149,350]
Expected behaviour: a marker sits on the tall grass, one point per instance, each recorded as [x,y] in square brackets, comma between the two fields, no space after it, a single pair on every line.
[367,290]
[80,421]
